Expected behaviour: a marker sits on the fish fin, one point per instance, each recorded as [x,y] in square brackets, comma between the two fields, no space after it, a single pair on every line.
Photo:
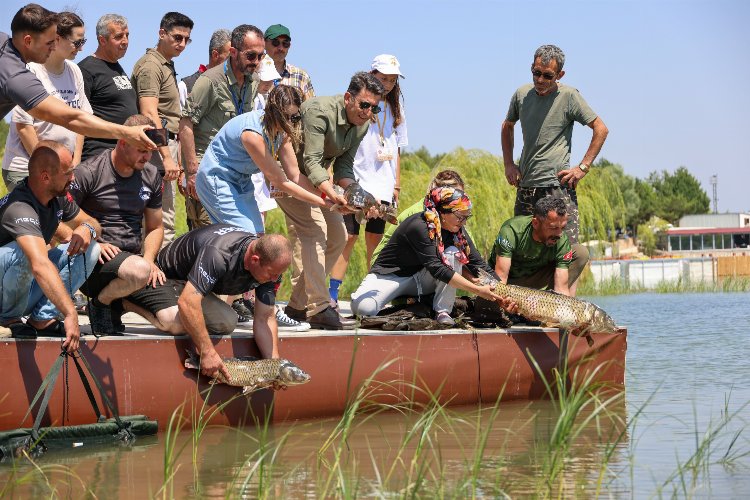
[247,389]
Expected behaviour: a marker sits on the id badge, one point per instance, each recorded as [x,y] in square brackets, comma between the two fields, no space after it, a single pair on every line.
[385,153]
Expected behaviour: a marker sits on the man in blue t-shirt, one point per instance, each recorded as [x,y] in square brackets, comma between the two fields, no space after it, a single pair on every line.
[35,281]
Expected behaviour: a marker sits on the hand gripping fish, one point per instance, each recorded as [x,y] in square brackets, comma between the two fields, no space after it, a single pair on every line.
[579,317]
[362,201]
[252,373]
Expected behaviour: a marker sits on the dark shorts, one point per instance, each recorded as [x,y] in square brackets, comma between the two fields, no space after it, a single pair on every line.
[162,297]
[375,226]
[527,197]
[103,274]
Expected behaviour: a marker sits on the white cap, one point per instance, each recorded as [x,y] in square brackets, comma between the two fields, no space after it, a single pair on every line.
[267,70]
[387,64]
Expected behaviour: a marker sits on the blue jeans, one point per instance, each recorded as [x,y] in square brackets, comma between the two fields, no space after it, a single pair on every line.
[21,295]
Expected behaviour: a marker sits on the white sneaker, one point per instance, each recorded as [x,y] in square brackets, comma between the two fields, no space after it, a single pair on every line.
[444,319]
[288,324]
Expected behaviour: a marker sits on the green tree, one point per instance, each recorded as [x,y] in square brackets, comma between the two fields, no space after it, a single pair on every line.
[627,185]
[678,194]
[423,154]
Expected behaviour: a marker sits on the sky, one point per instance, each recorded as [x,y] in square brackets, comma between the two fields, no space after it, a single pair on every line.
[668,78]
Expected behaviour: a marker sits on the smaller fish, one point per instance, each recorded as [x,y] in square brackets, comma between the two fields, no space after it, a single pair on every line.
[358,198]
[252,373]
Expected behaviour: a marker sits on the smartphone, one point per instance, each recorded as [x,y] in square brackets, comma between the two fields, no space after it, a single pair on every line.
[158,136]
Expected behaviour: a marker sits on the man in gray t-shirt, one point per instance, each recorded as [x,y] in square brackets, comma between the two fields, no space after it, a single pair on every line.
[121,189]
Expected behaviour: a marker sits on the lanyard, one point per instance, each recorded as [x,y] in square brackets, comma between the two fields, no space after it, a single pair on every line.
[239,107]
[381,128]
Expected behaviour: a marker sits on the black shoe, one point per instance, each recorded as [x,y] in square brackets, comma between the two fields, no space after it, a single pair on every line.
[22,331]
[244,313]
[329,319]
[100,319]
[296,314]
[117,311]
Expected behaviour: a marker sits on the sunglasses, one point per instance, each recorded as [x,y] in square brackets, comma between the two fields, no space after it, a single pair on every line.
[180,38]
[77,43]
[294,118]
[546,76]
[368,105]
[253,56]
[276,42]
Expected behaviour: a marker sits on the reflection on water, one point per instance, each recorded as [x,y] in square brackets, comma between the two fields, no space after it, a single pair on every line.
[687,372]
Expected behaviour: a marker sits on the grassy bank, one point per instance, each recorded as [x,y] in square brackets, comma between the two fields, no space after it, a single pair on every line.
[616,286]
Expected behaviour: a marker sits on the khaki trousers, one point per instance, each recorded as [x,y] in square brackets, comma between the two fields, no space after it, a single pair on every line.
[322,236]
[168,192]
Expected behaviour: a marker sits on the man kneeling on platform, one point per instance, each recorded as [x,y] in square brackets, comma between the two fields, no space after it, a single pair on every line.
[217,259]
[35,281]
[429,252]
[123,191]
[533,250]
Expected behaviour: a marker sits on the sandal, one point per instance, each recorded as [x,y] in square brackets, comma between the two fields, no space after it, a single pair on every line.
[56,329]
[22,331]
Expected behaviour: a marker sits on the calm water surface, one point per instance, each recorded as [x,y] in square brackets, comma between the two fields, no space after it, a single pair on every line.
[688,369]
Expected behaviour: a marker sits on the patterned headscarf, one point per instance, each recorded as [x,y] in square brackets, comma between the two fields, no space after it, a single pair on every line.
[444,200]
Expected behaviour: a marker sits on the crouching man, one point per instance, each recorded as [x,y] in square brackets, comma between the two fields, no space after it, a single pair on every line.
[35,281]
[215,260]
[123,191]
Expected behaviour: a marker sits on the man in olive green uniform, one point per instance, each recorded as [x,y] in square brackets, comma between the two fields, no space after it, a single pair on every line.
[547,111]
[155,82]
[534,251]
[332,128]
[219,94]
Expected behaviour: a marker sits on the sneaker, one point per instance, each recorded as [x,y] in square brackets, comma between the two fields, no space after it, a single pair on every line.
[296,314]
[100,319]
[80,302]
[444,319]
[288,324]
[244,313]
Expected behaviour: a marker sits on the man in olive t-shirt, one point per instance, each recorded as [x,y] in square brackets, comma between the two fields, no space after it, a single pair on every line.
[533,250]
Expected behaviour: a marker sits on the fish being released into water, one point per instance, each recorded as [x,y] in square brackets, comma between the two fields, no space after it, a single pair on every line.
[356,197]
[579,317]
[252,373]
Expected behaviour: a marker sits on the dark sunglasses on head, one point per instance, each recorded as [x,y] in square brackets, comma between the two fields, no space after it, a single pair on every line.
[180,38]
[367,105]
[276,42]
[253,56]
[546,76]
[77,43]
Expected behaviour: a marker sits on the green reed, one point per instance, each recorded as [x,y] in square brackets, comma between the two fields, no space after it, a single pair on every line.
[616,286]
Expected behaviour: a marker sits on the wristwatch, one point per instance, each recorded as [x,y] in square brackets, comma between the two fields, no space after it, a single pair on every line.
[90,228]
[584,168]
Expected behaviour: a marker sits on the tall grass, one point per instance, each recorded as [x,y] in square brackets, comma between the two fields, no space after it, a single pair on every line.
[616,286]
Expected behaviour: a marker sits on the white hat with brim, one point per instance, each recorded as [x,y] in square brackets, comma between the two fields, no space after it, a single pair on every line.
[387,64]
[267,70]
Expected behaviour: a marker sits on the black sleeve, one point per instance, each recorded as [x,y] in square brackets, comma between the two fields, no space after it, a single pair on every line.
[266,293]
[20,219]
[88,81]
[209,266]
[425,249]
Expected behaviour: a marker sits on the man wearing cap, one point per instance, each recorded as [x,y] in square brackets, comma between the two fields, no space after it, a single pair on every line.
[333,128]
[548,110]
[278,40]
[219,94]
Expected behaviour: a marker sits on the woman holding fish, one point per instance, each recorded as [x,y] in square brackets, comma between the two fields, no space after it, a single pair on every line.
[429,252]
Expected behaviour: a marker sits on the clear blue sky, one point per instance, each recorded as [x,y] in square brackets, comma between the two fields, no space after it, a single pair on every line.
[669,78]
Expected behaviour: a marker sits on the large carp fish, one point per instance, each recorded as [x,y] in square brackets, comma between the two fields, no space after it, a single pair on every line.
[356,197]
[579,317]
[252,373]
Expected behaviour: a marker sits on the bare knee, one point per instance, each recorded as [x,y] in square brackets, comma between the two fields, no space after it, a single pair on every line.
[135,270]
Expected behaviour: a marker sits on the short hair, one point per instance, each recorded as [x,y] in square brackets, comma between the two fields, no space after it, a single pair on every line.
[239,33]
[272,247]
[549,52]
[32,18]
[134,120]
[102,25]
[66,21]
[547,204]
[219,38]
[175,20]
[45,156]
[447,178]
[363,80]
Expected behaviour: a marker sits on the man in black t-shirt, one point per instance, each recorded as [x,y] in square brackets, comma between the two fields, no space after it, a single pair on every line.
[122,190]
[35,281]
[217,259]
[105,83]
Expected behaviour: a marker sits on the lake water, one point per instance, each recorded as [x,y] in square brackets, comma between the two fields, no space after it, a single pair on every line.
[687,390]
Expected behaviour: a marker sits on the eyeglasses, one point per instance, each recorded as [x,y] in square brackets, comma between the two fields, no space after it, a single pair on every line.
[461,218]
[253,56]
[77,43]
[276,42]
[295,118]
[180,38]
[368,105]
[546,76]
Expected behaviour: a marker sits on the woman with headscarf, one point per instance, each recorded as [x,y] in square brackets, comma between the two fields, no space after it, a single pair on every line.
[429,252]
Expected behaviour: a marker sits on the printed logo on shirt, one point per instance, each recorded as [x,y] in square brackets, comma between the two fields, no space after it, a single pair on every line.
[226,230]
[568,256]
[122,82]
[59,214]
[74,185]
[503,241]
[4,200]
[69,197]
[211,280]
[21,220]
[145,193]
